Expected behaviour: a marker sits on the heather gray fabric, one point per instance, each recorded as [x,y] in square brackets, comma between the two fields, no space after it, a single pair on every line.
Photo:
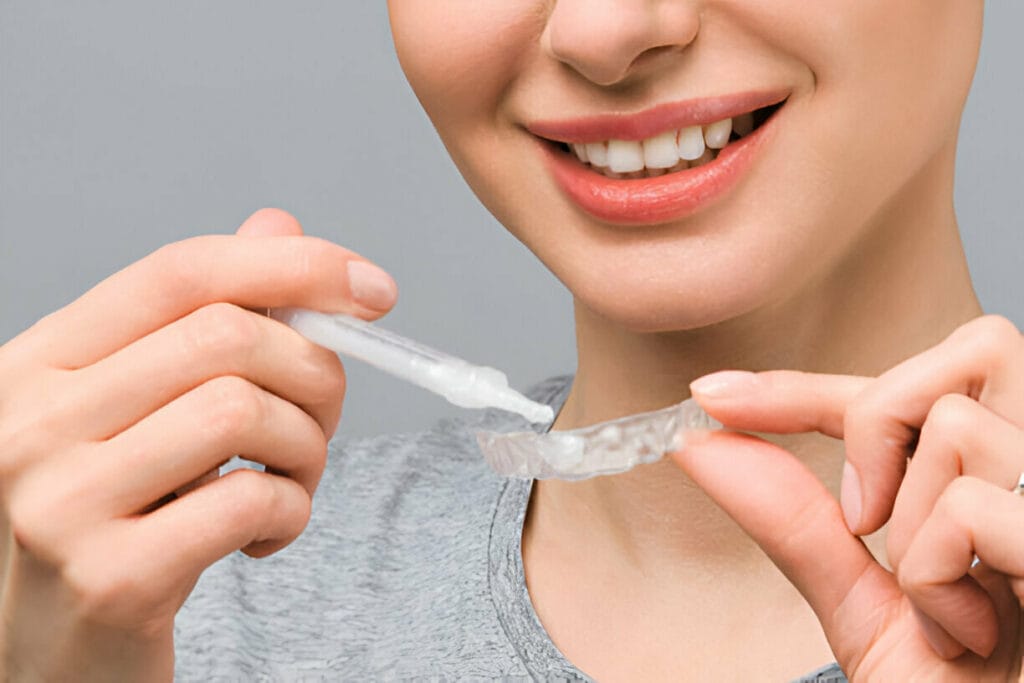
[410,568]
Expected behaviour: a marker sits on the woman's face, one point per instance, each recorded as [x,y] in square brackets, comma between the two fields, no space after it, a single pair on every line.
[871,94]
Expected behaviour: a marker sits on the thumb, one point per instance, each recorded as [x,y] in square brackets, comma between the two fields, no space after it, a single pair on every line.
[270,223]
[785,508]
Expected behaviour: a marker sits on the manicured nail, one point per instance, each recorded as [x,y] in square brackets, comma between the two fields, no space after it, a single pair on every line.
[724,384]
[850,496]
[371,286]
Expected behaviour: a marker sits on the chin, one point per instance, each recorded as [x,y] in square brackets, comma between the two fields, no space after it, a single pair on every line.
[644,304]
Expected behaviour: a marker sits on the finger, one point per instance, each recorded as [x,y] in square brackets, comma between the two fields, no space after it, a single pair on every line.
[253,272]
[196,433]
[216,340]
[790,514]
[269,223]
[944,645]
[778,401]
[983,359]
[148,564]
[256,512]
[959,437]
[971,517]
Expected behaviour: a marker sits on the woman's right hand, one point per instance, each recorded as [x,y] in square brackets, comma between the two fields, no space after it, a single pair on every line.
[115,415]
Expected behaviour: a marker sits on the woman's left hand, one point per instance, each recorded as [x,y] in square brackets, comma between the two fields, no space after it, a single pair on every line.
[956,412]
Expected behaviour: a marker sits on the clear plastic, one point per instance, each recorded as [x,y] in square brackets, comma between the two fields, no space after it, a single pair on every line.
[604,448]
[463,384]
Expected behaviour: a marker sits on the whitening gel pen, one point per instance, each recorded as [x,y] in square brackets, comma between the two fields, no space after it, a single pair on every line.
[463,384]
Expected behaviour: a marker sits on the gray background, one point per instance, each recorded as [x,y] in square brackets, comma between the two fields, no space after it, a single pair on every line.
[126,124]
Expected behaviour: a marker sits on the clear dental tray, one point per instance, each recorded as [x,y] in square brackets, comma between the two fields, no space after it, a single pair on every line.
[604,448]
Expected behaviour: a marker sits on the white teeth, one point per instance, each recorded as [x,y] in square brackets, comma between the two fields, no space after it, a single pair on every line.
[691,143]
[625,156]
[717,134]
[661,151]
[668,152]
[597,152]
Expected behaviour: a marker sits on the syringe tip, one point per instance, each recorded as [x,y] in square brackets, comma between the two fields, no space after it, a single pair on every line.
[515,402]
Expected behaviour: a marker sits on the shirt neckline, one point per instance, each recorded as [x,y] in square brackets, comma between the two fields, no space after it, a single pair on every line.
[512,602]
[507,577]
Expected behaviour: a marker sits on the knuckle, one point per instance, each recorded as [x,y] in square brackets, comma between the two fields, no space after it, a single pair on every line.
[106,592]
[335,380]
[222,329]
[34,427]
[294,506]
[232,406]
[19,446]
[279,217]
[957,496]
[949,417]
[257,495]
[329,382]
[270,501]
[915,574]
[32,528]
[256,491]
[916,578]
[318,453]
[994,336]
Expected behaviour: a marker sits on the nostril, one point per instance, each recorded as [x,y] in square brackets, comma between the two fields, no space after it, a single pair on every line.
[606,40]
[653,54]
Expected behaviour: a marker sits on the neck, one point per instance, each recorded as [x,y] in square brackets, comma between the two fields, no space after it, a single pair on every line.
[845,322]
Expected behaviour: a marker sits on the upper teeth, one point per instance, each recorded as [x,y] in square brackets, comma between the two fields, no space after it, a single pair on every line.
[659,152]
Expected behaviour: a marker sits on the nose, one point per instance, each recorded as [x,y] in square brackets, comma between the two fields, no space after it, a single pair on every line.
[606,41]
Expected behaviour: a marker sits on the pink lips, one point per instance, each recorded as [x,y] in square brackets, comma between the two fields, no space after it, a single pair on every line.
[673,196]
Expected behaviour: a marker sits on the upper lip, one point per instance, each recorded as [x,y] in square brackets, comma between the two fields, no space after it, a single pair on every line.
[656,120]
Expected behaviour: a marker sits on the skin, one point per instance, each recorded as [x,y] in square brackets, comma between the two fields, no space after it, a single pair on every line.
[141,388]
[837,256]
[843,229]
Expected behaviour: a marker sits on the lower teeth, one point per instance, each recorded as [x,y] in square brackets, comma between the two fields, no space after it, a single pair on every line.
[682,165]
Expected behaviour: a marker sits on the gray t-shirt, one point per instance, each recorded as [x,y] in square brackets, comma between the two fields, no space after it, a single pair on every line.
[410,568]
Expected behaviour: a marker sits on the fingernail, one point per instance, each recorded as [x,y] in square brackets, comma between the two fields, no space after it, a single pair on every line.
[723,384]
[850,496]
[371,286]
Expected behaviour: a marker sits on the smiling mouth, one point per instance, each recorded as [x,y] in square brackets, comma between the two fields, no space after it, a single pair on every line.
[668,152]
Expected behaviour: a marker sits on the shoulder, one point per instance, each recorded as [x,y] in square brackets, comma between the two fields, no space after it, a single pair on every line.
[390,575]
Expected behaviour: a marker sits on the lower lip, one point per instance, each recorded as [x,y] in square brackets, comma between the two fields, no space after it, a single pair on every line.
[650,201]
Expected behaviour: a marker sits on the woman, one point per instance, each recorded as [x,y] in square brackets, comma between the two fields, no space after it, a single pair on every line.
[804,223]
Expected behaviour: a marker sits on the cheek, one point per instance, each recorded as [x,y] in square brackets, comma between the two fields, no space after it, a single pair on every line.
[866,116]
[872,120]
[459,56]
